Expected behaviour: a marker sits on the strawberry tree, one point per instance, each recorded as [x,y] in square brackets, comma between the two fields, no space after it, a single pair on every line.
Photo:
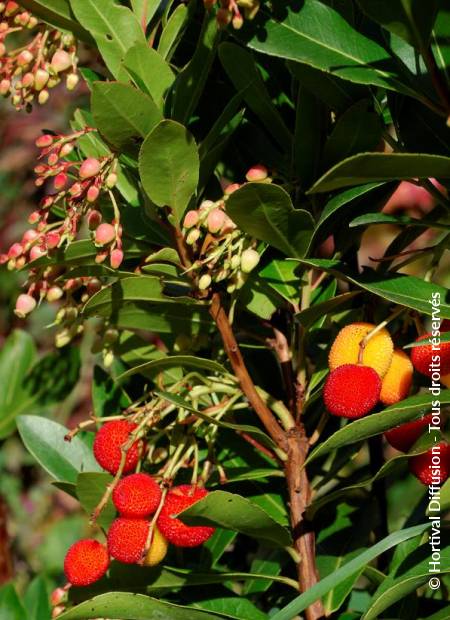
[246,228]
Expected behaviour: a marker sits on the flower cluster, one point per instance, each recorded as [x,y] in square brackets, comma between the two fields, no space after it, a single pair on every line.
[222,253]
[229,11]
[29,71]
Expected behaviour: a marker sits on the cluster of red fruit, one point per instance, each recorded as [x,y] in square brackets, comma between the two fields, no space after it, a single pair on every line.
[229,11]
[147,520]
[221,251]
[28,72]
[75,188]
[366,369]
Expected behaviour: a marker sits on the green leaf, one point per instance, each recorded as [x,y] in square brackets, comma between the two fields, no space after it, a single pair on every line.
[149,71]
[14,397]
[122,113]
[57,13]
[10,605]
[61,459]
[357,130]
[405,411]
[115,29]
[311,121]
[90,490]
[237,513]
[154,367]
[133,607]
[401,289]
[169,167]
[281,276]
[107,396]
[190,82]
[36,600]
[317,35]
[372,167]
[145,9]
[173,31]
[243,72]
[236,607]
[265,211]
[310,315]
[325,585]
[411,20]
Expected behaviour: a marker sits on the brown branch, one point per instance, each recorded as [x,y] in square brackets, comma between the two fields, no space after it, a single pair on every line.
[256,444]
[281,347]
[302,533]
[240,370]
[181,247]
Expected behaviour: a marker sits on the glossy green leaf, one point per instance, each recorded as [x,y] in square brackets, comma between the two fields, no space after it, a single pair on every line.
[311,122]
[237,513]
[173,31]
[149,71]
[411,20]
[325,585]
[316,34]
[133,607]
[243,72]
[145,10]
[235,607]
[107,397]
[407,291]
[115,29]
[405,411]
[90,490]
[10,606]
[308,316]
[281,276]
[265,211]
[63,460]
[122,113]
[36,600]
[169,167]
[372,167]
[186,361]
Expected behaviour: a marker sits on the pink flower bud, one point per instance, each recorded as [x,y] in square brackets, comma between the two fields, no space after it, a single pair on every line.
[11,8]
[215,220]
[66,149]
[28,80]
[193,236]
[33,22]
[190,219]
[23,18]
[223,17]
[92,193]
[54,293]
[94,219]
[101,257]
[204,282]
[230,189]
[20,262]
[249,260]
[116,258]
[5,85]
[228,225]
[89,168]
[53,159]
[104,234]
[24,305]
[24,58]
[111,180]
[93,286]
[40,79]
[58,596]
[34,217]
[52,240]
[72,81]
[29,236]
[15,250]
[47,202]
[61,61]
[44,141]
[43,97]
[60,181]
[59,609]
[257,173]
[76,189]
[3,259]
[238,21]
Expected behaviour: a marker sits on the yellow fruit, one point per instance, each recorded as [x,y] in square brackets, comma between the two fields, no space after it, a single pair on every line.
[397,381]
[158,549]
[445,380]
[377,353]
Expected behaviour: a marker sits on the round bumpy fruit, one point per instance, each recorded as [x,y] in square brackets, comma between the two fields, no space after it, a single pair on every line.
[351,391]
[158,549]
[173,529]
[127,538]
[398,379]
[86,562]
[405,436]
[108,446]
[137,496]
[423,357]
[432,467]
[377,353]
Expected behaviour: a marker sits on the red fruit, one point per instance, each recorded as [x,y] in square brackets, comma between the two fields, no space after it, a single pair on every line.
[422,357]
[137,496]
[108,442]
[127,538]
[351,390]
[445,325]
[404,436]
[86,562]
[176,532]
[432,467]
